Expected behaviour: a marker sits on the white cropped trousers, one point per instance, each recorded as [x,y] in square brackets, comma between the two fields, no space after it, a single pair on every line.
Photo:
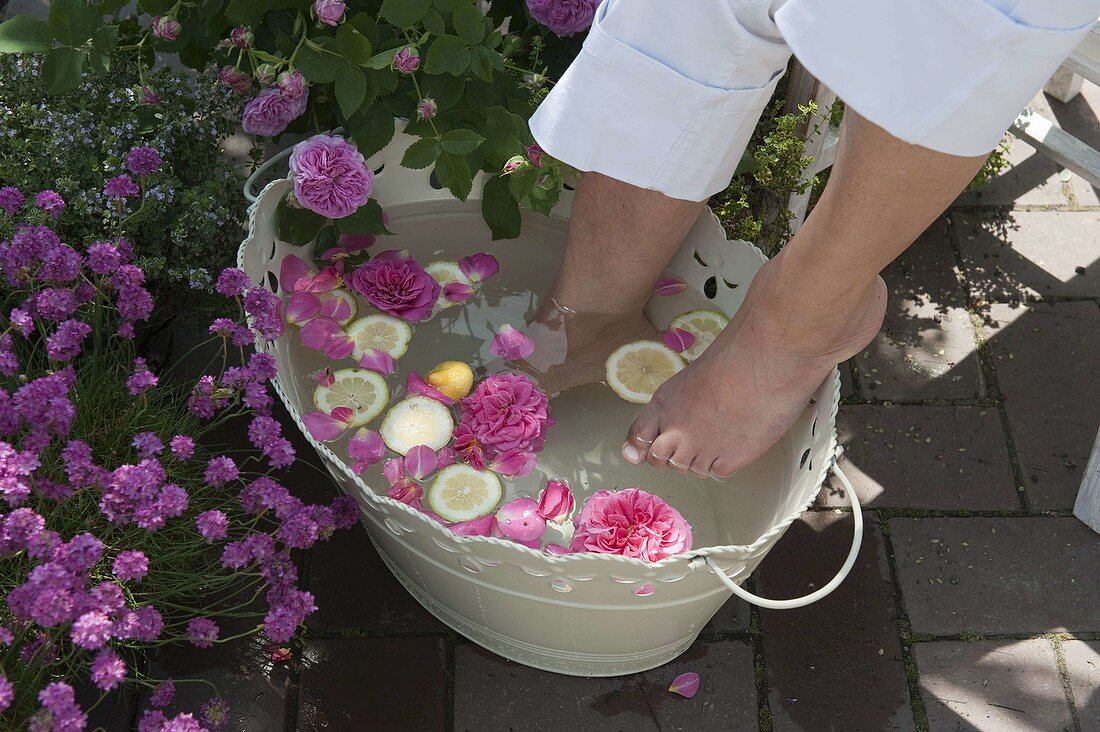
[665,93]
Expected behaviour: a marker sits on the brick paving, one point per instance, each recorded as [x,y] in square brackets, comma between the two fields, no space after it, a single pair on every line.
[974,604]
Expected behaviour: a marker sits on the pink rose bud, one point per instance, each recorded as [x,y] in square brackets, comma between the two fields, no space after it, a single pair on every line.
[407,491]
[394,470]
[519,520]
[514,463]
[534,155]
[325,427]
[234,79]
[329,12]
[482,526]
[478,267]
[365,448]
[378,360]
[457,292]
[426,108]
[302,307]
[446,457]
[514,163]
[415,384]
[241,37]
[511,344]
[678,339]
[166,29]
[420,462]
[265,74]
[324,377]
[668,286]
[556,502]
[149,97]
[407,60]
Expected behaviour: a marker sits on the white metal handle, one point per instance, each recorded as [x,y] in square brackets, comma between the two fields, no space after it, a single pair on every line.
[857,540]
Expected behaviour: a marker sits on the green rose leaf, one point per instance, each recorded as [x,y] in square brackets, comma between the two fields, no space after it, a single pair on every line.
[367,219]
[450,6]
[445,89]
[103,43]
[353,45]
[404,13]
[453,171]
[499,209]
[298,226]
[319,66]
[373,130]
[470,24]
[62,68]
[24,34]
[158,7]
[72,22]
[433,23]
[460,142]
[246,12]
[421,153]
[351,88]
[447,55]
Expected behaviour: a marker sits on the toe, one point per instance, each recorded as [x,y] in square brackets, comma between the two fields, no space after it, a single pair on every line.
[640,437]
[724,467]
[701,465]
[682,460]
[664,447]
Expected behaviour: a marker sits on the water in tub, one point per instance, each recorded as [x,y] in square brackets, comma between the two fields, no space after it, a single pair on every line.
[583,447]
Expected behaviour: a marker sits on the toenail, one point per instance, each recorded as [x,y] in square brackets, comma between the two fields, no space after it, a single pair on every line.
[658,457]
[631,454]
[644,442]
[675,465]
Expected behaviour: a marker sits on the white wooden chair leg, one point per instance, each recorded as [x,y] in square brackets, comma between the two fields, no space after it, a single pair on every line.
[1087,507]
[1064,85]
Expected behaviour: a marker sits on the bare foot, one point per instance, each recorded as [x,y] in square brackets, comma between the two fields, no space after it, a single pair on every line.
[733,403]
[572,347]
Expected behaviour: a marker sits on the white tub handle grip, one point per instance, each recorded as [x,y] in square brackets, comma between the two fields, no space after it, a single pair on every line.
[857,539]
[249,193]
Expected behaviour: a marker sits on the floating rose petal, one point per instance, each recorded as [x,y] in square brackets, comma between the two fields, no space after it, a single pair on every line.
[280,655]
[556,550]
[326,280]
[377,360]
[339,345]
[349,244]
[478,267]
[433,516]
[686,685]
[511,344]
[446,457]
[393,254]
[457,292]
[468,448]
[420,462]
[678,339]
[415,384]
[292,269]
[645,590]
[407,491]
[519,520]
[324,377]
[323,426]
[302,307]
[394,470]
[514,463]
[365,448]
[337,308]
[556,501]
[316,333]
[482,526]
[669,286]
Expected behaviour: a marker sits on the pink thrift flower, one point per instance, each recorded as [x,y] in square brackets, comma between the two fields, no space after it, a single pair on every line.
[511,344]
[202,632]
[678,339]
[164,693]
[331,178]
[563,17]
[632,523]
[143,160]
[479,267]
[407,60]
[519,520]
[398,286]
[329,12]
[507,411]
[666,286]
[212,525]
[51,202]
[556,501]
[11,200]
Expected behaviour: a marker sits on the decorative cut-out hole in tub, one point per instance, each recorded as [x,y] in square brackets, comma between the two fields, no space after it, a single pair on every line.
[469,564]
[272,282]
[805,457]
[710,287]
[698,258]
[394,527]
[433,181]
[561,585]
[380,168]
[731,285]
[444,547]
[645,590]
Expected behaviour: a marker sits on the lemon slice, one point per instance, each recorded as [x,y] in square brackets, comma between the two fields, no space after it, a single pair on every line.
[445,272]
[383,332]
[462,493]
[417,421]
[364,392]
[705,325]
[453,378]
[347,297]
[634,371]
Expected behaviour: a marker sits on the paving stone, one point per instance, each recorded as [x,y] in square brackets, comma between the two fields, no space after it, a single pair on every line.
[492,694]
[997,575]
[356,684]
[354,589]
[992,686]
[836,664]
[847,385]
[924,457]
[1030,254]
[1032,179]
[733,617]
[1083,666]
[1047,359]
[926,348]
[1081,118]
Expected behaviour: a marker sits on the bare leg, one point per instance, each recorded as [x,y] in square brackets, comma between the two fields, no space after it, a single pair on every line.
[818,302]
[620,240]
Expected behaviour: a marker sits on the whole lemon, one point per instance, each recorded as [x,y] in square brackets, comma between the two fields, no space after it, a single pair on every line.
[453,378]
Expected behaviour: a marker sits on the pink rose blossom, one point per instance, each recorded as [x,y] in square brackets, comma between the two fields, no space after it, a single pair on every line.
[397,285]
[407,60]
[563,17]
[632,523]
[511,344]
[506,412]
[329,12]
[269,112]
[556,501]
[330,176]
